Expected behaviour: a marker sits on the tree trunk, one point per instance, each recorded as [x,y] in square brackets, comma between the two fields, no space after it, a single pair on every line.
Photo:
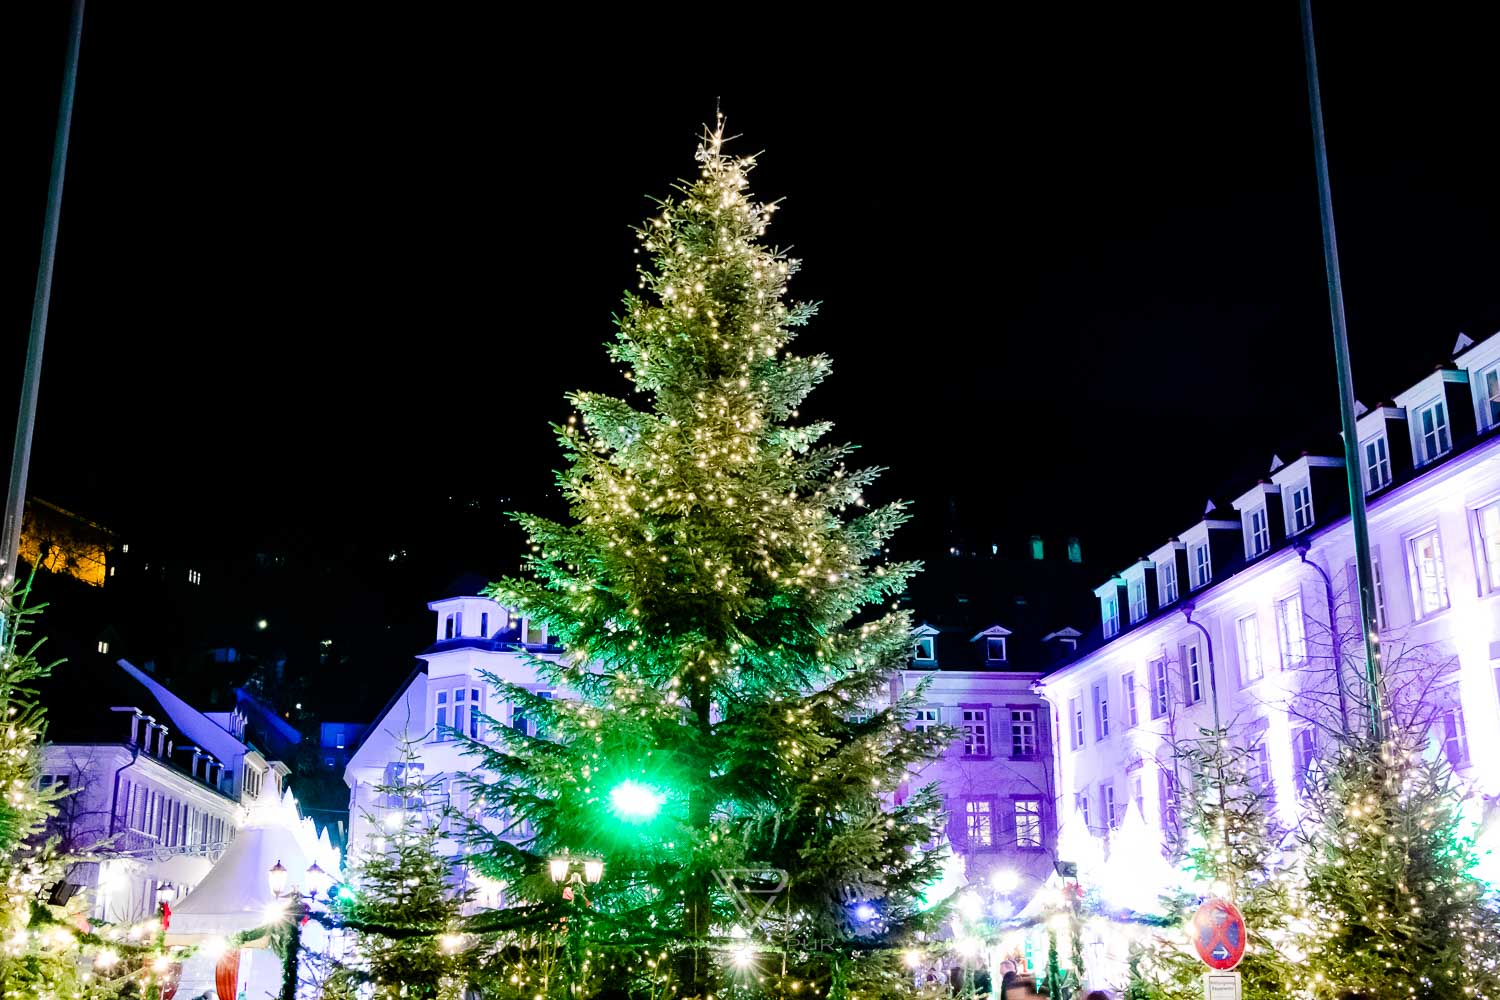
[695,972]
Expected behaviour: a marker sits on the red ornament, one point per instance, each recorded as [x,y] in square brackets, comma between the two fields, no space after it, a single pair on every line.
[1219,934]
[227,974]
[166,916]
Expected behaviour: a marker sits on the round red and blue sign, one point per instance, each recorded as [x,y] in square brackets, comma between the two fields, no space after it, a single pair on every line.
[1219,934]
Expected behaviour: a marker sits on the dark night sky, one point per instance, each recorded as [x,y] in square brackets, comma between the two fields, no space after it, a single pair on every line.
[1071,271]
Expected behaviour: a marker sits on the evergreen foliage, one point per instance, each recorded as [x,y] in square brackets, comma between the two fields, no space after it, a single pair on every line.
[720,591]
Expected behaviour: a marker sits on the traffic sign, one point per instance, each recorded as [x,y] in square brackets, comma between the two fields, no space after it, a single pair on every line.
[1219,934]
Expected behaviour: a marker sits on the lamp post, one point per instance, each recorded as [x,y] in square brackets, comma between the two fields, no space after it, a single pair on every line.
[1334,639]
[568,872]
[293,905]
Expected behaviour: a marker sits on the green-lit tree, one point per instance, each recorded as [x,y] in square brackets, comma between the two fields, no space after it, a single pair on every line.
[721,591]
[403,906]
[1231,846]
[1392,908]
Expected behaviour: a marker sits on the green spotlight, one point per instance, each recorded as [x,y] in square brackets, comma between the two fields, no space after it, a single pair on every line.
[634,802]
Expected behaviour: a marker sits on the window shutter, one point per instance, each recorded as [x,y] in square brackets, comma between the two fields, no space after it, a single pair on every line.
[1043,731]
[1007,810]
[1004,746]
[957,833]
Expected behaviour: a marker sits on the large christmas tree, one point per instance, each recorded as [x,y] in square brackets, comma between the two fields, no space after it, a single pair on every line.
[1393,909]
[721,592]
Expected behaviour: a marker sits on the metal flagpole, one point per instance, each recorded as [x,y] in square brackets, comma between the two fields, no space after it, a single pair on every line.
[15,500]
[1357,517]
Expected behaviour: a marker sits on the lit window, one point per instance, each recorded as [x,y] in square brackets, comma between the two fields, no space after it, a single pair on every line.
[1023,732]
[1036,546]
[1377,464]
[1202,566]
[1101,711]
[474,713]
[1028,823]
[1192,669]
[1075,551]
[1077,723]
[1260,768]
[103,646]
[925,720]
[125,549]
[994,649]
[442,715]
[1137,600]
[1127,687]
[1429,583]
[1248,631]
[1302,509]
[1081,801]
[1110,609]
[1107,796]
[1166,578]
[1432,424]
[1304,752]
[976,729]
[923,649]
[1259,538]
[194,577]
[1161,692]
[1291,631]
[980,823]
[1490,384]
[1487,526]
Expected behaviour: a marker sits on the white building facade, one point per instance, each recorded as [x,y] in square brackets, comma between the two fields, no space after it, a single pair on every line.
[1249,612]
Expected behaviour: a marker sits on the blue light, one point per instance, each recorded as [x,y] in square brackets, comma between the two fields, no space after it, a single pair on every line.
[864,913]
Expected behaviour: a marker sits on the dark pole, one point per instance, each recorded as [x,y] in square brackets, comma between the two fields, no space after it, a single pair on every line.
[1213,683]
[1346,387]
[20,463]
[1334,638]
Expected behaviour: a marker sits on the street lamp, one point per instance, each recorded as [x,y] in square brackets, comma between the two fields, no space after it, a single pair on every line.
[292,905]
[569,871]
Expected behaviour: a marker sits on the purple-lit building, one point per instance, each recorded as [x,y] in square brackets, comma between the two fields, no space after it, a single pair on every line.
[1274,633]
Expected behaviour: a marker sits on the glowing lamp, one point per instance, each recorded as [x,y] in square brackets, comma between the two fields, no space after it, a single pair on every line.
[1004,880]
[744,957]
[864,913]
[635,802]
[214,947]
[970,905]
[593,871]
[558,869]
[277,877]
[318,881]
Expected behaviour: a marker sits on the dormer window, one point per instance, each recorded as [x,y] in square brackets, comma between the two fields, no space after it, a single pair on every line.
[448,627]
[1137,600]
[922,650]
[1075,551]
[1036,547]
[1432,426]
[1166,577]
[1302,510]
[994,649]
[1257,533]
[1202,566]
[484,624]
[1377,464]
[1109,608]
[1489,404]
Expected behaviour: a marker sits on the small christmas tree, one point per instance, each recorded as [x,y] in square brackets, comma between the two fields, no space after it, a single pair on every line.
[1392,906]
[727,746]
[402,903]
[1233,848]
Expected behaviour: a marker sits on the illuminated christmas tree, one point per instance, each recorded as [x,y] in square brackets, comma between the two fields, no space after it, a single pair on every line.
[1392,906]
[1233,848]
[401,904]
[725,741]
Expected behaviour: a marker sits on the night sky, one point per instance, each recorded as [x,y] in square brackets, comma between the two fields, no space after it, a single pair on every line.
[318,269]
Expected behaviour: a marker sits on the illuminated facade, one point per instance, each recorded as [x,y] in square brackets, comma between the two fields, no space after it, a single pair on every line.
[1252,610]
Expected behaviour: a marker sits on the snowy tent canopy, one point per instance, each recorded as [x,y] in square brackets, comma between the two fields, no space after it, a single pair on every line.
[235,895]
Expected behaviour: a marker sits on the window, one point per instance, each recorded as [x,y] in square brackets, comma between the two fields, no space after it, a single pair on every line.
[1490,403]
[1075,551]
[1377,579]
[1202,566]
[1138,794]
[923,649]
[1429,583]
[979,823]
[1377,464]
[1260,768]
[194,577]
[1251,668]
[1028,823]
[1036,546]
[1166,797]
[1110,608]
[103,646]
[473,713]
[1107,798]
[484,624]
[1023,732]
[1259,538]
[1487,527]
[442,715]
[1137,600]
[994,649]
[1192,673]
[1455,737]
[1161,691]
[1432,424]
[1166,578]
[1081,800]
[448,627]
[976,729]
[1077,708]
[519,722]
[1291,631]
[1101,711]
[1127,688]
[1302,510]
[925,720]
[1304,752]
